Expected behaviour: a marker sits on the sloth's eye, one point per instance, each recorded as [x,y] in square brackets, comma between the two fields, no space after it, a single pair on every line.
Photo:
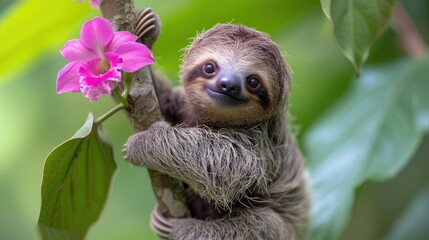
[253,83]
[209,68]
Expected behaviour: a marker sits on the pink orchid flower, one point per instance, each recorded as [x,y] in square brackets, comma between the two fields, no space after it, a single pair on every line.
[94,3]
[97,59]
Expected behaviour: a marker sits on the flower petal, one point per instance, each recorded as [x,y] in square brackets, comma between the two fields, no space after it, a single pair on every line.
[92,74]
[93,82]
[93,93]
[115,61]
[134,56]
[96,34]
[120,38]
[68,78]
[95,3]
[74,50]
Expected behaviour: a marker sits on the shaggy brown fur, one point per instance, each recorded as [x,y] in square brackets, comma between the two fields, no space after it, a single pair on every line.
[245,174]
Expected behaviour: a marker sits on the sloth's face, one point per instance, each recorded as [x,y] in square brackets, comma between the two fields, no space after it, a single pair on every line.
[234,75]
[230,88]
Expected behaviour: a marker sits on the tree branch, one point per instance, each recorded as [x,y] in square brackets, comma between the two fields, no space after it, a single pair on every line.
[145,111]
[411,40]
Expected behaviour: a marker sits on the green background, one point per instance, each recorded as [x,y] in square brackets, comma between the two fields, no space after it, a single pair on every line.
[34,119]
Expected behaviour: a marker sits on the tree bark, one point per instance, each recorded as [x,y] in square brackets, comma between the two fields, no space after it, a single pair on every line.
[144,111]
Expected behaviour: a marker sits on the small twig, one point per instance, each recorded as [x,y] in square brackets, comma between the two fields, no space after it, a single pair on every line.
[109,114]
[411,40]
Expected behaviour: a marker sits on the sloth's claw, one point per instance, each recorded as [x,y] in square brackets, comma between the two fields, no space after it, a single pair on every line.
[147,27]
[161,225]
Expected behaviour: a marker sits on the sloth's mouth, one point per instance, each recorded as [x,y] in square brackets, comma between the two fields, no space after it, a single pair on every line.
[224,99]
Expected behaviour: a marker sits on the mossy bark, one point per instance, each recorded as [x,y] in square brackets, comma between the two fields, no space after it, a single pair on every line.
[144,111]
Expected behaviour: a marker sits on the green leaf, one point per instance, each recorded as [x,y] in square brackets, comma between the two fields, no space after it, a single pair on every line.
[413,224]
[369,135]
[357,25]
[326,7]
[76,183]
[31,27]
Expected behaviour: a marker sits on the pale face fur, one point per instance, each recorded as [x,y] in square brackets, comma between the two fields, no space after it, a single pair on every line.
[243,52]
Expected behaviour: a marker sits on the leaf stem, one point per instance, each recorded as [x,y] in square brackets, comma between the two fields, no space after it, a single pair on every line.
[110,113]
[128,77]
[119,97]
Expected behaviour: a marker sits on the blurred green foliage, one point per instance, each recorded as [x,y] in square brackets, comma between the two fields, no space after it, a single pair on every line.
[413,222]
[34,119]
[370,134]
[26,37]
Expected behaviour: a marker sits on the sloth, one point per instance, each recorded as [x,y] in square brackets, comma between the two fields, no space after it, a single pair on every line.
[226,137]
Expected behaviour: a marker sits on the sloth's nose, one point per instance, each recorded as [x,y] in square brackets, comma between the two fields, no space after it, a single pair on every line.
[230,84]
